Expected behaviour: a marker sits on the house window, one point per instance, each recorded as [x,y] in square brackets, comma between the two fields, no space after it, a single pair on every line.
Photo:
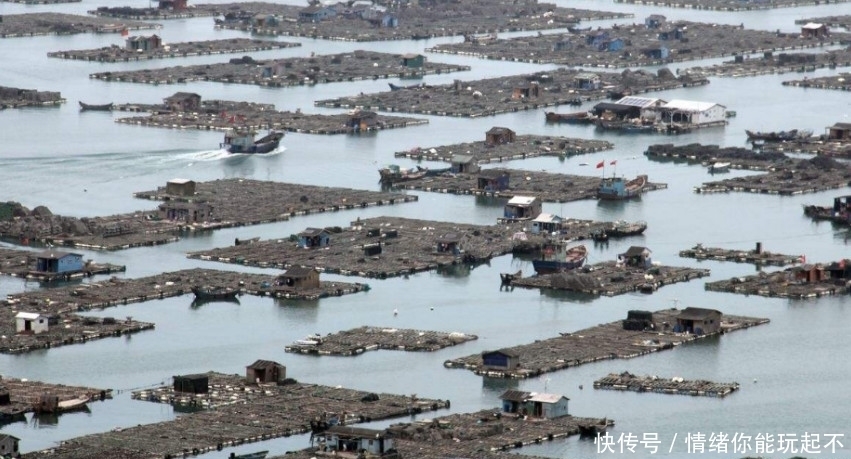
[41,321]
[370,443]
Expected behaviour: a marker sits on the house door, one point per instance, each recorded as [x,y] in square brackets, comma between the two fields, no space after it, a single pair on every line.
[28,325]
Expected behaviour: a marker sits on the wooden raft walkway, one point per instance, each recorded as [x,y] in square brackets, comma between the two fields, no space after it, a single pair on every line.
[677,386]
[722,5]
[192,48]
[700,252]
[603,342]
[407,246]
[781,284]
[610,279]
[841,82]
[695,153]
[259,413]
[523,146]
[491,96]
[788,179]
[297,71]
[34,24]
[25,394]
[547,186]
[359,340]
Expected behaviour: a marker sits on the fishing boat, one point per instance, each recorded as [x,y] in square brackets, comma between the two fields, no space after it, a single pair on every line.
[616,188]
[395,87]
[95,108]
[242,141]
[719,167]
[309,340]
[50,404]
[394,173]
[622,228]
[212,293]
[839,213]
[255,455]
[557,257]
[570,118]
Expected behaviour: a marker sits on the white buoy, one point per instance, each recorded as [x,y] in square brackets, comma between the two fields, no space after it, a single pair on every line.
[395,312]
[754,380]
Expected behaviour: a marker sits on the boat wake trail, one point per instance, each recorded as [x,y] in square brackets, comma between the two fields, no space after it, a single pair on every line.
[217,155]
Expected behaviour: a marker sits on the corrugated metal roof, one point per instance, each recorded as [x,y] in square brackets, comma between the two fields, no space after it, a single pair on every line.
[690,105]
[522,200]
[547,218]
[696,313]
[640,102]
[812,25]
[545,398]
[513,395]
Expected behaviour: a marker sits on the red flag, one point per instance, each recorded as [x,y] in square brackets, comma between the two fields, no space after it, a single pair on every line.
[614,161]
[601,164]
[125,32]
[802,259]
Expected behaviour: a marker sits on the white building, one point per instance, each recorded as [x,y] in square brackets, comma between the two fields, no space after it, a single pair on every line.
[30,322]
[648,106]
[693,113]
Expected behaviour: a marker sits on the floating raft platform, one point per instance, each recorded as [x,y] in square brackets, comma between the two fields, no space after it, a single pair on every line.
[244,413]
[771,64]
[485,434]
[295,71]
[677,386]
[843,21]
[221,115]
[403,246]
[523,146]
[238,202]
[547,186]
[602,342]
[757,257]
[493,96]
[65,302]
[192,48]
[22,263]
[789,283]
[695,153]
[24,395]
[359,340]
[34,24]
[841,82]
[414,21]
[723,5]
[610,279]
[158,14]
[792,177]
[19,98]
[705,41]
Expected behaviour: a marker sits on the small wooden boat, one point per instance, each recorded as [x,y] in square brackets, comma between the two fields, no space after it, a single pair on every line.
[719,167]
[570,118]
[95,108]
[615,188]
[255,455]
[75,404]
[592,430]
[242,141]
[623,228]
[212,293]
[394,173]
[395,87]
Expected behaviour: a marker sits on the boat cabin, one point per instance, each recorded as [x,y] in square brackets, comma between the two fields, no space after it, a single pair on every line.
[192,384]
[183,102]
[522,208]
[180,187]
[239,140]
[492,180]
[371,442]
[189,212]
[52,261]
[546,223]
[699,321]
[31,323]
[464,164]
[839,131]
[636,256]
[314,237]
[500,360]
[449,243]
[265,371]
[9,446]
[298,278]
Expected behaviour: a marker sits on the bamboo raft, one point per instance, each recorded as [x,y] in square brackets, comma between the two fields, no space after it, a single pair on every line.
[677,386]
[25,394]
[722,5]
[788,179]
[523,146]
[192,48]
[780,284]
[359,340]
[757,257]
[34,24]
